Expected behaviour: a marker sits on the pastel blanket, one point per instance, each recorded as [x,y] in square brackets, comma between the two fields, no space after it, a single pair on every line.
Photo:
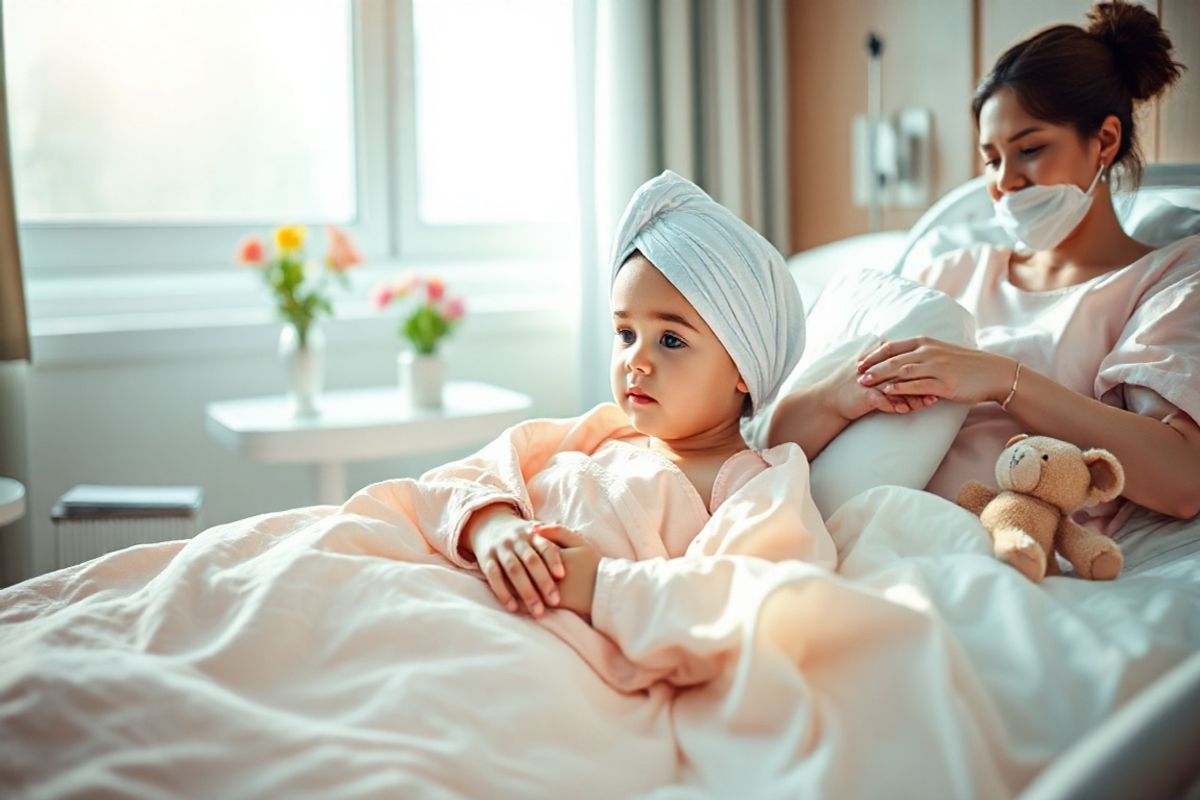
[354,652]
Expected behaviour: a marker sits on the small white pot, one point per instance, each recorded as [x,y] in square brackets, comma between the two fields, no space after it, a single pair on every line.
[304,367]
[422,379]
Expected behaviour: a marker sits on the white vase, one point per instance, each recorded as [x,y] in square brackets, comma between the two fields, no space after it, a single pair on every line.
[304,367]
[422,379]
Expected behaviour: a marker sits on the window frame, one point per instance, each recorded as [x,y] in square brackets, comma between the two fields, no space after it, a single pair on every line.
[417,239]
[386,225]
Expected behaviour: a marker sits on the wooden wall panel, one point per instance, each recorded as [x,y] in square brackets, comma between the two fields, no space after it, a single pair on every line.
[926,64]
[1179,112]
[1003,23]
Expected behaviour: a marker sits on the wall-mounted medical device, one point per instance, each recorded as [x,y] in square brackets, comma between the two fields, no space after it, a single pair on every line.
[892,155]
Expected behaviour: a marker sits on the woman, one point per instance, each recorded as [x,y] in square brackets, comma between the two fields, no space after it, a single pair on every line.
[1086,334]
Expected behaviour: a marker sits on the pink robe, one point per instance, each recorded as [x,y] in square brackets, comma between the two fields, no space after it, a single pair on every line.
[647,520]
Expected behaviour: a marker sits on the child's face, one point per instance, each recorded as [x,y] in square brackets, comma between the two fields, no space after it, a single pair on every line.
[662,347]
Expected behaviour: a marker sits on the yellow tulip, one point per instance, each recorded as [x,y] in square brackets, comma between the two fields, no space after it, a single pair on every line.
[290,237]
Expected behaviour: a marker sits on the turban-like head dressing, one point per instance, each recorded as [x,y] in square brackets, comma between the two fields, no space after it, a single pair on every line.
[735,279]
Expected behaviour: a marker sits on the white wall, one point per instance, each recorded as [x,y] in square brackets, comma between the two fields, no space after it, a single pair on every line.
[94,416]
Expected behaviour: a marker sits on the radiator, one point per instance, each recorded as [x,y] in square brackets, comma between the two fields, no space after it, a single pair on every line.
[126,516]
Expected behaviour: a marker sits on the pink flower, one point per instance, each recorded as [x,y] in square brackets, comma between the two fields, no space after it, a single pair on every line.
[453,308]
[434,289]
[382,296]
[342,253]
[251,251]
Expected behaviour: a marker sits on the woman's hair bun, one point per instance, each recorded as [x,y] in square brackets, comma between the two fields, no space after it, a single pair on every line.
[1140,47]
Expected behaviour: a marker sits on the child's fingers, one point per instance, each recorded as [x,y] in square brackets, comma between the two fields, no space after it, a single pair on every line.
[538,572]
[559,534]
[514,570]
[495,578]
[880,402]
[550,554]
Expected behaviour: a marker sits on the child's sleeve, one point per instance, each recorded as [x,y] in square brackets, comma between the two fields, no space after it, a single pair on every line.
[447,496]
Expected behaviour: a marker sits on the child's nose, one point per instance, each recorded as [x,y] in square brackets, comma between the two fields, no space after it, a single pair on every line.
[637,361]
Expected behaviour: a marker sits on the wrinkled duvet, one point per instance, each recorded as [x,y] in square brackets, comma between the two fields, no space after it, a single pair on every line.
[754,651]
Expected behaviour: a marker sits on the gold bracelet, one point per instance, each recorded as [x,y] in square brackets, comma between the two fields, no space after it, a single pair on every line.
[1013,390]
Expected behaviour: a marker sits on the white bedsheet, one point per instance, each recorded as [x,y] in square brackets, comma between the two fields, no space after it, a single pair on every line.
[921,668]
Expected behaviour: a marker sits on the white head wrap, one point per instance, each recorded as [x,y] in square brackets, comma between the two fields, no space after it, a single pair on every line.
[735,279]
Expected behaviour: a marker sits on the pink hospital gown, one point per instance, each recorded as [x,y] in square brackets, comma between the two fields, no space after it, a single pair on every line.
[1129,337]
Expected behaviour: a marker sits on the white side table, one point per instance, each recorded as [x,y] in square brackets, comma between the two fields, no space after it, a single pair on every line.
[12,501]
[360,425]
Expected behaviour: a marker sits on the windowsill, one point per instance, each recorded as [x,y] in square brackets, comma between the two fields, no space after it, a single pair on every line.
[207,314]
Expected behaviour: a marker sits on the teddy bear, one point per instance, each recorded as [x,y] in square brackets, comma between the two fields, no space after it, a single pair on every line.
[1043,481]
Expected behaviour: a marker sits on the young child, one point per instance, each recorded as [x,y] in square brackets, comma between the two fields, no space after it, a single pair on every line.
[707,324]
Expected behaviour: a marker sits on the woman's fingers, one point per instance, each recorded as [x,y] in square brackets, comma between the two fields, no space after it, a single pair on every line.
[887,350]
[921,386]
[495,578]
[537,570]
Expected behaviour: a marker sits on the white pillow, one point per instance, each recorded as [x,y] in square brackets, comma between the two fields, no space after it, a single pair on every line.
[855,311]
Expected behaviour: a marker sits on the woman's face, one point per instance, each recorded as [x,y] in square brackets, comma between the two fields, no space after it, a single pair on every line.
[662,347]
[1019,150]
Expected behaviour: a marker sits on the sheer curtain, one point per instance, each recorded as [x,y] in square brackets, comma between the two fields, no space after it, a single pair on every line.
[16,554]
[696,86]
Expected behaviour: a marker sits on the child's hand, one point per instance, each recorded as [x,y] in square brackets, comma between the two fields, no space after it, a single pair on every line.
[517,561]
[581,561]
[851,400]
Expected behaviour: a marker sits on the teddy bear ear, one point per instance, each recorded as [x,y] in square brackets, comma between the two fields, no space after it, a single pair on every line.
[1019,437]
[1108,477]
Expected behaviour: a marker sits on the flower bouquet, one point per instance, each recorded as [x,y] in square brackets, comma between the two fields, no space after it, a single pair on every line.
[430,317]
[301,299]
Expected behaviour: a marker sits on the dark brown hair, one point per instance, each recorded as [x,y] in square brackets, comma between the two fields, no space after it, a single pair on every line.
[1075,76]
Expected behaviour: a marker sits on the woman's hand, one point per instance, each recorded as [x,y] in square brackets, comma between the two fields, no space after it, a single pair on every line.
[516,559]
[925,367]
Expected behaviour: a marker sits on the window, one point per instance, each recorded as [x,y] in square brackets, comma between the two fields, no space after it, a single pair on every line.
[150,136]
[487,120]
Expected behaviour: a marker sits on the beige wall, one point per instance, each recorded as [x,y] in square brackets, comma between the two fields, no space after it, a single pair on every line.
[935,51]
[1179,111]
[926,64]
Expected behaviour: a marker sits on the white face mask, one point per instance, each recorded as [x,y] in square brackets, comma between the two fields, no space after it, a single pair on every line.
[1040,217]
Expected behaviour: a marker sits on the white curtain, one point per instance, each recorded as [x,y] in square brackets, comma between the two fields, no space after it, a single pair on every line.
[696,86]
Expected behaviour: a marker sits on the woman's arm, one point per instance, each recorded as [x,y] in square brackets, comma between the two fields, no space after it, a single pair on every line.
[1161,461]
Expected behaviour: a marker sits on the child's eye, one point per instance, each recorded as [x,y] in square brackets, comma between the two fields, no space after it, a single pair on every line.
[1030,151]
[992,163]
[625,335]
[672,342]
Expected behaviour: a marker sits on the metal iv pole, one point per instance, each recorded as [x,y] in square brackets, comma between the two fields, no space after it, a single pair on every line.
[874,113]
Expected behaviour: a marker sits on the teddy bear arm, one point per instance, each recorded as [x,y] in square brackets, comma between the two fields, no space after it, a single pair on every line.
[1093,556]
[974,496]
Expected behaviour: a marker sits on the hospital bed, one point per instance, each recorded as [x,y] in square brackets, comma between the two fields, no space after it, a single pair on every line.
[315,707]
